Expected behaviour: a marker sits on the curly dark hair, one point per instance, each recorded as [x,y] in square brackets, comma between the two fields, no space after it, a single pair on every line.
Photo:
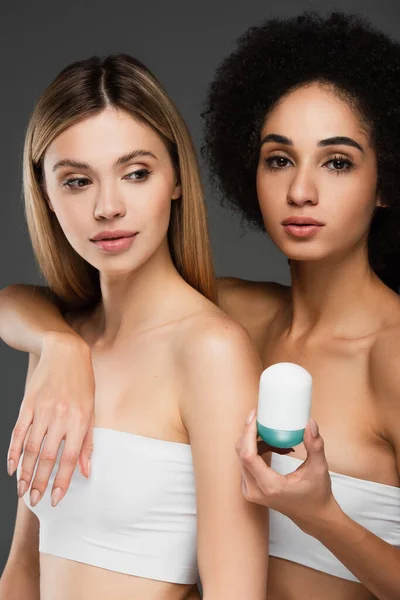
[272,59]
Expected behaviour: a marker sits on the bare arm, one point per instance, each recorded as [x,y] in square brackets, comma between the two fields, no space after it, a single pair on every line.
[27,314]
[59,399]
[20,578]
[222,372]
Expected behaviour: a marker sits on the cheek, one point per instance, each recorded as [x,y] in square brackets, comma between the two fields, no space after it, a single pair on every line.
[262,186]
[271,194]
[352,203]
[75,221]
[156,208]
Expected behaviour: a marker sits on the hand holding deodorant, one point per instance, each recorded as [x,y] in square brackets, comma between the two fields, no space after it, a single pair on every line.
[284,404]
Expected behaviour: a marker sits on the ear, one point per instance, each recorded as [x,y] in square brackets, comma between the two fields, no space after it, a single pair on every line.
[177,193]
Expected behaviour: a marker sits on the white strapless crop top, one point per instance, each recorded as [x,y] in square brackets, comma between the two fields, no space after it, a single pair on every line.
[136,514]
[375,506]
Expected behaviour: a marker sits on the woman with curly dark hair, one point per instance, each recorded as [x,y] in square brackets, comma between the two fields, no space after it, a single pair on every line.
[302,136]
[302,131]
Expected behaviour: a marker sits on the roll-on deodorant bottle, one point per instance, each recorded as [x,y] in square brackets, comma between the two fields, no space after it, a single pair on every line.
[284,404]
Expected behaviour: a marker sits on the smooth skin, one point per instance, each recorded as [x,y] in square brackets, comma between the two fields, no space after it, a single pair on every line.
[181,371]
[342,324]
[338,321]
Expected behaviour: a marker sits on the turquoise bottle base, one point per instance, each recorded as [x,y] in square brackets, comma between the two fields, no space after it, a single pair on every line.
[279,438]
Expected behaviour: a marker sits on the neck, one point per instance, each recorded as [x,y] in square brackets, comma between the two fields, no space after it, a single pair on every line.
[138,300]
[334,296]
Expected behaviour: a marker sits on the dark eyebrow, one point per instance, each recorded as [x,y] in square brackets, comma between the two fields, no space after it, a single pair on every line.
[68,162]
[339,141]
[278,139]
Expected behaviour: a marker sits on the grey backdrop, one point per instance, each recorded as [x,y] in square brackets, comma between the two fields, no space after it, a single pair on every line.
[182,42]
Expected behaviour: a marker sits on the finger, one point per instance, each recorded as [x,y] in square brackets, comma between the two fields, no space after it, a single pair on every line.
[86,452]
[31,452]
[248,453]
[68,463]
[238,445]
[18,436]
[249,421]
[250,488]
[249,479]
[314,445]
[45,464]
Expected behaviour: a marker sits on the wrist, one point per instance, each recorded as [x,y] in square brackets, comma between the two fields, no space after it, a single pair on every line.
[325,520]
[68,340]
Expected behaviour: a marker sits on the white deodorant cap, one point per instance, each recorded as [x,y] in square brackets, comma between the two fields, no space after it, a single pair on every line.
[284,400]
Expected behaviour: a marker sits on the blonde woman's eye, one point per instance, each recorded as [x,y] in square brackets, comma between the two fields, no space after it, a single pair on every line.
[75,183]
[140,175]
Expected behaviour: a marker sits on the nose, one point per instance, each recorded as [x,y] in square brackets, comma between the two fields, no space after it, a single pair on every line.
[109,204]
[302,189]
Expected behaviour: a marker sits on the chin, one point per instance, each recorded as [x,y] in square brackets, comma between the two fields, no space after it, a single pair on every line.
[305,257]
[116,266]
[304,251]
[121,270]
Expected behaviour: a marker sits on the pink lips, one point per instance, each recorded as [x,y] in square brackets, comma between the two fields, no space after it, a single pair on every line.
[302,227]
[114,241]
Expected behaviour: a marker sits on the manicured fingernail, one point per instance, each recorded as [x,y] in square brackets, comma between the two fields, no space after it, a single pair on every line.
[22,487]
[89,468]
[55,497]
[251,416]
[35,497]
[314,428]
[10,466]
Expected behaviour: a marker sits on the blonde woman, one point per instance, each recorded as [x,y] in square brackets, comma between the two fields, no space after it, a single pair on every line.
[117,220]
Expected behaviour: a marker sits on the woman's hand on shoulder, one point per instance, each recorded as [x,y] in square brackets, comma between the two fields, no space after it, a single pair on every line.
[58,405]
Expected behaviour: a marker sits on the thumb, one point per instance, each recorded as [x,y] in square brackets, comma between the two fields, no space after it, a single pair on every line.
[314,444]
[86,451]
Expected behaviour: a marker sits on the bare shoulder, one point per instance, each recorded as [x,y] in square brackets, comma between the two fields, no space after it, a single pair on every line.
[232,290]
[254,304]
[385,379]
[385,355]
[385,359]
[210,335]
[219,370]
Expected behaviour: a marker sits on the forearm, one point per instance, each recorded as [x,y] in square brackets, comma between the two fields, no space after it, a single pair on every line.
[19,581]
[27,315]
[373,561]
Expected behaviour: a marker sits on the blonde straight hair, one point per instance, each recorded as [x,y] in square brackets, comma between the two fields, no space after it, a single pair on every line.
[84,89]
